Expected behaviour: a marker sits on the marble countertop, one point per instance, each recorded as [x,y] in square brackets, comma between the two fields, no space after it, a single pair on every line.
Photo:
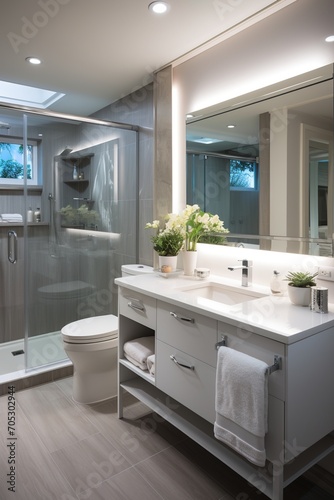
[267,315]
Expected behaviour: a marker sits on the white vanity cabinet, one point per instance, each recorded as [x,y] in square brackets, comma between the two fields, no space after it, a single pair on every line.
[301,405]
[187,358]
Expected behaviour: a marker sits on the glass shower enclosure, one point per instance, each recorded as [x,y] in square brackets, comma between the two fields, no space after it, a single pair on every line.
[83,178]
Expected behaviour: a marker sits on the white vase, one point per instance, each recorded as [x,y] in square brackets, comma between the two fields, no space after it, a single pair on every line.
[169,261]
[189,262]
[299,296]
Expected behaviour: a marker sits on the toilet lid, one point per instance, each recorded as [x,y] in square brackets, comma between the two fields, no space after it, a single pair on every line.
[66,290]
[96,329]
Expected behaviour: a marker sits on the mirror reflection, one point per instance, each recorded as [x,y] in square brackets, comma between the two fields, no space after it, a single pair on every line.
[264,163]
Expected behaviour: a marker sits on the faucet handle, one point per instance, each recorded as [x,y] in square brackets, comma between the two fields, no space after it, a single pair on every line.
[246,262]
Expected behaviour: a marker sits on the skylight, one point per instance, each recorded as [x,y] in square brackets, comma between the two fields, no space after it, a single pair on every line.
[23,95]
[206,140]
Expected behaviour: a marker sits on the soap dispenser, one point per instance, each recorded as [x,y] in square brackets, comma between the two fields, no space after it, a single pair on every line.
[37,215]
[75,173]
[276,284]
[30,215]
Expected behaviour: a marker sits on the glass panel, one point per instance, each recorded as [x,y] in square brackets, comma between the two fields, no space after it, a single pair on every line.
[11,255]
[65,266]
[87,228]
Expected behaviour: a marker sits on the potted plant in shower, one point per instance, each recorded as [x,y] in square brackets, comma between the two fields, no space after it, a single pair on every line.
[299,287]
[167,242]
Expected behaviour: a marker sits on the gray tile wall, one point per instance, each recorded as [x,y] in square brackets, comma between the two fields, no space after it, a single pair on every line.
[137,109]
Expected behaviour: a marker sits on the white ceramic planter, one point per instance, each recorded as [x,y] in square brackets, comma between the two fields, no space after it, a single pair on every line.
[299,296]
[170,262]
[189,262]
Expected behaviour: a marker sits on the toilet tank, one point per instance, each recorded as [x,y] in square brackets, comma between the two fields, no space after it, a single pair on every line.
[134,269]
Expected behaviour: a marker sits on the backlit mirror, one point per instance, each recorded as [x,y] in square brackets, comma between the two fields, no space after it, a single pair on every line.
[264,163]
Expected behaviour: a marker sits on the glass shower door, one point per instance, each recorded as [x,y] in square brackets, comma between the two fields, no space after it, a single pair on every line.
[11,243]
[87,193]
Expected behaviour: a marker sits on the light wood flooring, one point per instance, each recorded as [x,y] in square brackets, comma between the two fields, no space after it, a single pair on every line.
[66,451]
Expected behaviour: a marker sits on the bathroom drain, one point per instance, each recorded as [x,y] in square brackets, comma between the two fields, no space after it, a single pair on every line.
[19,351]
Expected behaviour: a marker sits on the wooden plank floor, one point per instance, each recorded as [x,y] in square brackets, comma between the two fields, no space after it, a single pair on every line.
[66,451]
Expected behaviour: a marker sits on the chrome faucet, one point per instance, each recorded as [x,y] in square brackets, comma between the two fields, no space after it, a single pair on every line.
[246,275]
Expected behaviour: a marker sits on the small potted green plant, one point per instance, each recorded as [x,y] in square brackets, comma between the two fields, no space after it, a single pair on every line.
[299,287]
[167,243]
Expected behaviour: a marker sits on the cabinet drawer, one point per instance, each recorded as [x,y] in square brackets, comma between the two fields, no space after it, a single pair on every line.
[187,331]
[137,306]
[259,347]
[193,388]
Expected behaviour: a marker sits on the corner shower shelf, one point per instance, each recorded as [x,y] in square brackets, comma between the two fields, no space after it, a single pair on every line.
[79,185]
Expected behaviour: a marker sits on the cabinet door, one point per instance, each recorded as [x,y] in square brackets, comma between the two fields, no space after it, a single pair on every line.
[309,403]
[193,385]
[189,332]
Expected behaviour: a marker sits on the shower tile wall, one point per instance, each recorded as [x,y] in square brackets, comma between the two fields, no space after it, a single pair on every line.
[12,275]
[12,200]
[137,109]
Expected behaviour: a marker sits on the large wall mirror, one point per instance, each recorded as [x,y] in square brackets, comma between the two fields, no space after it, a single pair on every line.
[264,163]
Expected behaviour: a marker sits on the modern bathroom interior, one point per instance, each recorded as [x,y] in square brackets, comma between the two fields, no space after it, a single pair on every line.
[62,267]
[78,214]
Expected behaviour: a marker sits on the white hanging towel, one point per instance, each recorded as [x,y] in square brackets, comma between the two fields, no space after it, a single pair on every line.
[242,404]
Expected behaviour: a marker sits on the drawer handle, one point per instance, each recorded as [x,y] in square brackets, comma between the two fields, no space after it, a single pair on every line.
[176,316]
[136,305]
[189,367]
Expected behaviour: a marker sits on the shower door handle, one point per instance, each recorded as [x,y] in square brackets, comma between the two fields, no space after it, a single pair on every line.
[12,247]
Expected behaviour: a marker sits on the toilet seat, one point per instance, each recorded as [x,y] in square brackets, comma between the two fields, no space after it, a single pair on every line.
[91,330]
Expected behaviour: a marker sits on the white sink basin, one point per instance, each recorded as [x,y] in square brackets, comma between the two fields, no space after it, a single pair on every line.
[223,294]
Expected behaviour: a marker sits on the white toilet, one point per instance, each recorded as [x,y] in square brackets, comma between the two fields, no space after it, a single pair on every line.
[91,344]
[134,269]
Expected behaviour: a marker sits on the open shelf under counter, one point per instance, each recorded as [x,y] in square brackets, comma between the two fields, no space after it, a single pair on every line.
[142,373]
[201,431]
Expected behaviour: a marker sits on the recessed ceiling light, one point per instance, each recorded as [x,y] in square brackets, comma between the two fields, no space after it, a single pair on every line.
[230,126]
[159,7]
[33,60]
[330,38]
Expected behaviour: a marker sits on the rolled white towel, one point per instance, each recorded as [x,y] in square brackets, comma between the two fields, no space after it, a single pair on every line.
[138,350]
[151,364]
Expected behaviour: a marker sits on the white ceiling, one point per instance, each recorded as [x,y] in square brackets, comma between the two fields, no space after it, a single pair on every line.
[97,51]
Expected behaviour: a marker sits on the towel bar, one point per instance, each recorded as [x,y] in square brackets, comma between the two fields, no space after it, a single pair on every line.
[276,366]
[273,368]
[221,343]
